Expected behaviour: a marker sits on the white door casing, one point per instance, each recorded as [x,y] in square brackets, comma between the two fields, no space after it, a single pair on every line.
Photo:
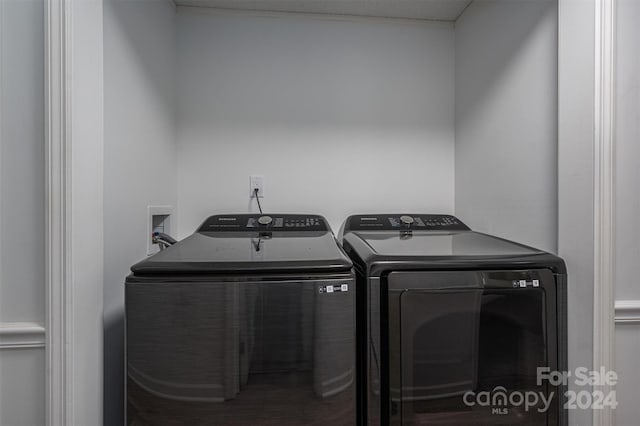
[58,275]
[604,199]
[74,223]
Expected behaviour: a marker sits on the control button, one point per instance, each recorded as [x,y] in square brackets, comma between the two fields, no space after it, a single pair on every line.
[523,283]
[265,220]
[407,220]
[536,283]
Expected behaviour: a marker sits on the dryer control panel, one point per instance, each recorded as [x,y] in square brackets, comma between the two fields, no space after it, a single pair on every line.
[399,222]
[264,222]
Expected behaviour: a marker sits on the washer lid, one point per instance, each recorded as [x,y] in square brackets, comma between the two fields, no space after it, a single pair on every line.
[244,244]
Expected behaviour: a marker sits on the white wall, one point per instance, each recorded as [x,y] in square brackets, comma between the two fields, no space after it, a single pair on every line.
[576,124]
[22,290]
[627,128]
[340,115]
[139,157]
[22,390]
[506,120]
[21,161]
[83,343]
[627,206]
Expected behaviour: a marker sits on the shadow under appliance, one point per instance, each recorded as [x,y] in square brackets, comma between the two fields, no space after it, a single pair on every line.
[249,321]
[449,316]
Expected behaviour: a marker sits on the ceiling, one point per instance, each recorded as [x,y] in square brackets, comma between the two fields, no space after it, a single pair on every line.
[443,10]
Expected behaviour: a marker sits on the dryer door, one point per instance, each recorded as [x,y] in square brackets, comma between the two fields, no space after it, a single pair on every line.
[465,348]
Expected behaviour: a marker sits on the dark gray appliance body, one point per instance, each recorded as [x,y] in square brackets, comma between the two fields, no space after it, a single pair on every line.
[446,314]
[243,323]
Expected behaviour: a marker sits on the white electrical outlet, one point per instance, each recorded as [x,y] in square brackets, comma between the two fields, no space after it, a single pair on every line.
[256,182]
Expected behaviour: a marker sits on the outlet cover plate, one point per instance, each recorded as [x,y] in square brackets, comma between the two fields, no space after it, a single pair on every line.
[169,219]
[256,181]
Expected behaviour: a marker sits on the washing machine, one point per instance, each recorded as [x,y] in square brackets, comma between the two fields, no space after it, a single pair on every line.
[455,327]
[248,321]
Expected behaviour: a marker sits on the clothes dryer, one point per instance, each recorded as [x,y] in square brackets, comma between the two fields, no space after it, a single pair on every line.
[455,325]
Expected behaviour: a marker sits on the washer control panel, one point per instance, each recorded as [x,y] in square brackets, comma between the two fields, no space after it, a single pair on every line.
[399,222]
[264,222]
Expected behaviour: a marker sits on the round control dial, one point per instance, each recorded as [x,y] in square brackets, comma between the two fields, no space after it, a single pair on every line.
[407,220]
[265,220]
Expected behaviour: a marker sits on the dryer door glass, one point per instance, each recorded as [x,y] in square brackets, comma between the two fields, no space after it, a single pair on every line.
[469,354]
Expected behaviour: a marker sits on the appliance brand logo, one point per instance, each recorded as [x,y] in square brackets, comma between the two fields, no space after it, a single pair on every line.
[231,219]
